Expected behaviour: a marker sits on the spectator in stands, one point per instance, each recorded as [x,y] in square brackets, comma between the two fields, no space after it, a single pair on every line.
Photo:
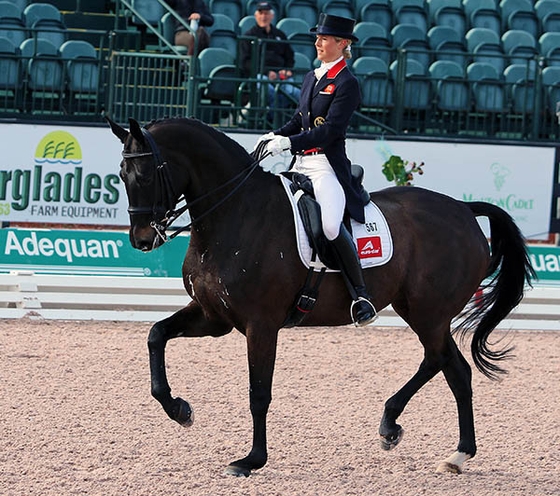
[278,57]
[196,14]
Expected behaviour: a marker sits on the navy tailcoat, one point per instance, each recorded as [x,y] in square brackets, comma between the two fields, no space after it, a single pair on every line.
[320,121]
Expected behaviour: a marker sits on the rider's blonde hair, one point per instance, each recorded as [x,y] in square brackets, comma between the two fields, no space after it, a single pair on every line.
[347,51]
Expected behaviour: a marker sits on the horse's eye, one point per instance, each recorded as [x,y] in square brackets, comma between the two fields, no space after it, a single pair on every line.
[143,175]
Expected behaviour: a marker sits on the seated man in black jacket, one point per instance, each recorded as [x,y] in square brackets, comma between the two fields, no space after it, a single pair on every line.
[278,57]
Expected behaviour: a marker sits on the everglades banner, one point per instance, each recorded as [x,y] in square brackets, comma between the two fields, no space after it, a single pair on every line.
[60,175]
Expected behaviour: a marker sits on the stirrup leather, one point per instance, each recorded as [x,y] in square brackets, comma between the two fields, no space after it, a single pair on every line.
[368,320]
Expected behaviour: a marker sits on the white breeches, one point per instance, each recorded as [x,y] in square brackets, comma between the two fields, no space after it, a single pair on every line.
[328,191]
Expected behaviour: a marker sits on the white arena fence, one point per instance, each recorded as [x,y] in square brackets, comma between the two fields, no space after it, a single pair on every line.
[149,299]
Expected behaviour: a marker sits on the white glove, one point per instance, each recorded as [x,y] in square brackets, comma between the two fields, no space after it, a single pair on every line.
[260,147]
[264,137]
[278,144]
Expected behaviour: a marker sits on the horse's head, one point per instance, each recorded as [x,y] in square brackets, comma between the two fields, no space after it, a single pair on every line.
[145,174]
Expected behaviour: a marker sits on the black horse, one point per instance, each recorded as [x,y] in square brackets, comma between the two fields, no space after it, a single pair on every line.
[243,271]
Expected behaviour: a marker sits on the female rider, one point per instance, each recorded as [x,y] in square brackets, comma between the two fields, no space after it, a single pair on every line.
[316,136]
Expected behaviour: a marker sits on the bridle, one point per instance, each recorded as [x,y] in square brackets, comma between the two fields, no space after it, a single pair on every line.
[166,199]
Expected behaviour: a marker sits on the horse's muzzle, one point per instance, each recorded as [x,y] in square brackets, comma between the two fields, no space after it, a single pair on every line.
[145,239]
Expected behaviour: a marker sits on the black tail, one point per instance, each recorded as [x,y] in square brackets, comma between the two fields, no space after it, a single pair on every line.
[510,269]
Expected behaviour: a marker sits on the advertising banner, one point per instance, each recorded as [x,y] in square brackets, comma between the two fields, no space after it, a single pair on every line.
[69,174]
[81,252]
[61,174]
[546,262]
[517,178]
[93,252]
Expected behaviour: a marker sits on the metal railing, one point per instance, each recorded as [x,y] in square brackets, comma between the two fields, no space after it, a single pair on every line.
[148,85]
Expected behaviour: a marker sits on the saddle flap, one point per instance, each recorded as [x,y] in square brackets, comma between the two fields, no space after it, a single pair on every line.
[373,239]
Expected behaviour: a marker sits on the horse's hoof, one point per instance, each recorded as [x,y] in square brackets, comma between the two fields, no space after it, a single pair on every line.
[453,464]
[184,414]
[389,442]
[448,468]
[237,471]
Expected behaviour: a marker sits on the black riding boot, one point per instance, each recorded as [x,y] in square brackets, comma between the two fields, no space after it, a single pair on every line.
[362,310]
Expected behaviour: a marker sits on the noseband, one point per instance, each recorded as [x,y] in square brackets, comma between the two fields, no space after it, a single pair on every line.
[166,198]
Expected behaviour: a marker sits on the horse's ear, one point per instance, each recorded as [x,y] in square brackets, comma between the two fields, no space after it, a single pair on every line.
[136,130]
[118,131]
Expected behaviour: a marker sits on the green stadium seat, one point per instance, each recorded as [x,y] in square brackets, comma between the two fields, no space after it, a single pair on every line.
[451,16]
[519,14]
[548,13]
[302,9]
[43,75]
[472,5]
[302,65]
[551,84]
[246,23]
[10,75]
[234,9]
[51,30]
[38,11]
[150,10]
[520,81]
[441,34]
[417,88]
[291,25]
[342,8]
[411,12]
[414,39]
[487,87]
[520,46]
[12,23]
[450,86]
[82,66]
[376,83]
[489,18]
[549,48]
[378,11]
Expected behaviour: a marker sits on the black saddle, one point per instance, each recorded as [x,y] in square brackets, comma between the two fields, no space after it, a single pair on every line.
[310,212]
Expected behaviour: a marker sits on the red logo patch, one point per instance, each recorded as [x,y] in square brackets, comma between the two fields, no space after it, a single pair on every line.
[329,89]
[370,247]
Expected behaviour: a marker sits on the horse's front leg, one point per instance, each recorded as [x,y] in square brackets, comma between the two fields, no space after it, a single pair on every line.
[261,353]
[187,322]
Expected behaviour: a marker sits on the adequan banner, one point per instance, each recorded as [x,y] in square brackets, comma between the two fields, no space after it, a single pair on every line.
[93,252]
[83,252]
[546,262]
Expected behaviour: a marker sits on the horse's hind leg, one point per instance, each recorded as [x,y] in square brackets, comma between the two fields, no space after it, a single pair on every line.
[187,322]
[391,433]
[458,375]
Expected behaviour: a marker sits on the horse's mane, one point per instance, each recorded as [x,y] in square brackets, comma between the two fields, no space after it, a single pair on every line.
[234,149]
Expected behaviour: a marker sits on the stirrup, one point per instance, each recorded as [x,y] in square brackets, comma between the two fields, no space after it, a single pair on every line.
[367,320]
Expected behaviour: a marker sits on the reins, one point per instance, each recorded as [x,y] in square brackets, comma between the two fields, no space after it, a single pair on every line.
[164,188]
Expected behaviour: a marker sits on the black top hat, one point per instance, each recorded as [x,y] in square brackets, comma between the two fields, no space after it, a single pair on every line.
[332,25]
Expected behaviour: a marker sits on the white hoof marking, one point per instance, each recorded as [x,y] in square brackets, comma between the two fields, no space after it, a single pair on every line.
[453,464]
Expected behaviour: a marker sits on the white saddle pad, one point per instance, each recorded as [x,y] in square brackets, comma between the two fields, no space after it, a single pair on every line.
[373,238]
